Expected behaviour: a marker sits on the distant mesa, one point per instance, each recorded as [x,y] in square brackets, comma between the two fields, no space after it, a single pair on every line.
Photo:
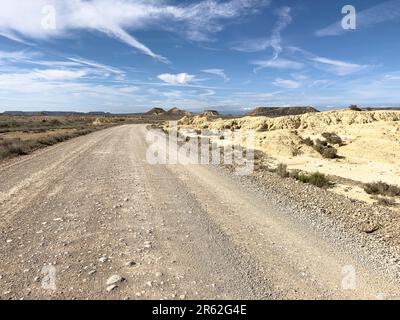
[155,112]
[178,112]
[274,112]
[210,113]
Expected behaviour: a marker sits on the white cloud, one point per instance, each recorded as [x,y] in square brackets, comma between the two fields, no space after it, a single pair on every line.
[128,89]
[274,42]
[317,83]
[117,18]
[96,65]
[287,84]
[252,45]
[207,93]
[338,67]
[217,72]
[279,63]
[386,11]
[392,76]
[176,79]
[15,56]
[172,94]
[59,75]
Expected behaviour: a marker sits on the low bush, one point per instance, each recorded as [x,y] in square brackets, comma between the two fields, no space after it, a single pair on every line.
[353,107]
[294,174]
[308,142]
[15,147]
[325,150]
[332,138]
[387,202]
[316,179]
[382,188]
[281,170]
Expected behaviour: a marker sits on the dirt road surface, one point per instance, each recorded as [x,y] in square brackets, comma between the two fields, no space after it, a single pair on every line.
[75,214]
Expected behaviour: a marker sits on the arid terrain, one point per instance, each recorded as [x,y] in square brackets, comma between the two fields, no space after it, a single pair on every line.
[365,145]
[112,226]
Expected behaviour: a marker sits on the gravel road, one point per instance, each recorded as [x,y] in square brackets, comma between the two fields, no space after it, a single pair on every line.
[91,219]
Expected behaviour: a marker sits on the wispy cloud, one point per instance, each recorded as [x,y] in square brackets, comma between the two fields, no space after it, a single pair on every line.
[173,94]
[208,93]
[15,56]
[96,65]
[340,68]
[59,75]
[118,18]
[274,42]
[334,66]
[287,83]
[389,10]
[217,72]
[279,63]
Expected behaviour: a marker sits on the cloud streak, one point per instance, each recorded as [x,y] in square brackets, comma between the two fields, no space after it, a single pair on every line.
[387,11]
[279,63]
[286,83]
[217,72]
[118,18]
[340,68]
[274,42]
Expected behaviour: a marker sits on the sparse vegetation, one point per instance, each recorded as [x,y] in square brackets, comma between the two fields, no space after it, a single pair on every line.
[332,138]
[281,170]
[16,147]
[387,202]
[382,188]
[294,174]
[308,142]
[353,107]
[325,149]
[316,179]
[20,135]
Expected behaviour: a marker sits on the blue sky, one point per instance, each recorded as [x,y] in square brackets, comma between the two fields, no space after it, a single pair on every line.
[131,55]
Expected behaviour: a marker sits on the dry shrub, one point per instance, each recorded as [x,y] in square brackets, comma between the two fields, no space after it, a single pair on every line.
[308,142]
[294,174]
[281,170]
[332,138]
[316,179]
[382,188]
[353,107]
[387,202]
[325,150]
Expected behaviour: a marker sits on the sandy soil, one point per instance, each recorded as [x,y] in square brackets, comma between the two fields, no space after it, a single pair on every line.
[370,152]
[93,207]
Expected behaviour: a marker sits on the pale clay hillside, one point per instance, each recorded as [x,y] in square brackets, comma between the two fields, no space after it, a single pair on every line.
[369,151]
